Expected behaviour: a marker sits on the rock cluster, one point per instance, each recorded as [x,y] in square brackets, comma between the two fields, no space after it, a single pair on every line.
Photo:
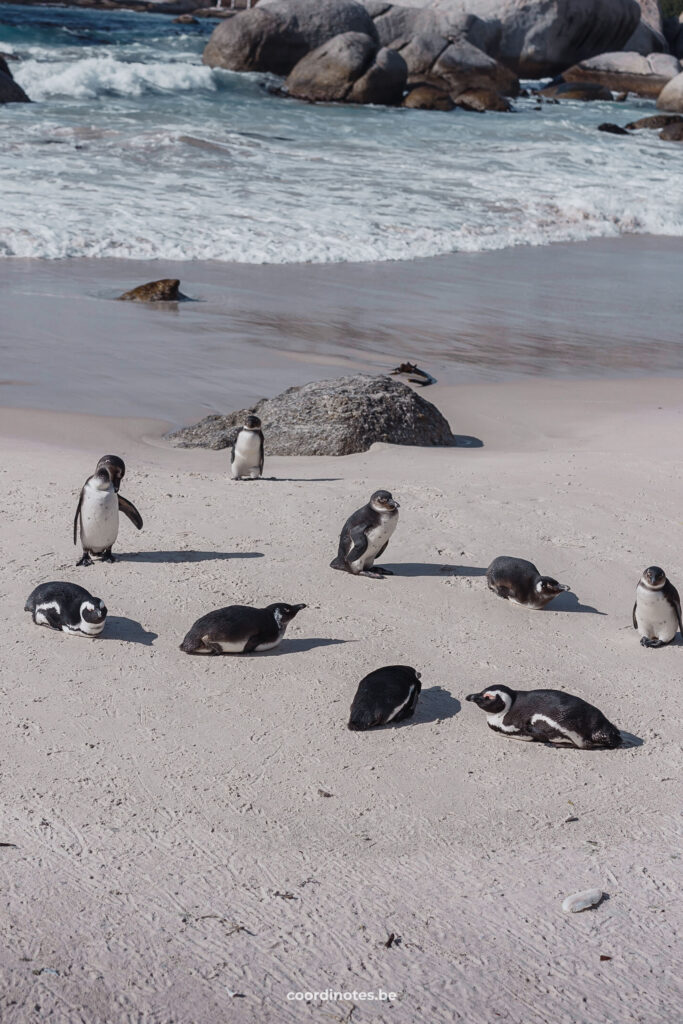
[330,417]
[10,91]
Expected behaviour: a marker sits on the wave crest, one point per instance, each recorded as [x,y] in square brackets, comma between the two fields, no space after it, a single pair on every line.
[92,77]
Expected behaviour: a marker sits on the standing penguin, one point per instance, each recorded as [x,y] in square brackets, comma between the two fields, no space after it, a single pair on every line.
[549,716]
[239,629]
[519,581]
[386,695]
[98,515]
[246,461]
[657,611]
[68,607]
[365,536]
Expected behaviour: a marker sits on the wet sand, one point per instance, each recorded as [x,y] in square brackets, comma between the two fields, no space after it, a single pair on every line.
[596,309]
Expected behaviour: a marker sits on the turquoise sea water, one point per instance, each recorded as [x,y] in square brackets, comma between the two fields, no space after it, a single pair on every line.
[134,149]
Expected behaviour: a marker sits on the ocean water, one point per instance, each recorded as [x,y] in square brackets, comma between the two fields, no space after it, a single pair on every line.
[134,149]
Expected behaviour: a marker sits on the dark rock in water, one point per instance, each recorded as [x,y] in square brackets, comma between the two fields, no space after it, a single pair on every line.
[10,91]
[165,290]
[613,129]
[577,91]
[330,417]
[185,19]
[276,34]
[672,133]
[481,100]
[349,68]
[428,97]
[655,121]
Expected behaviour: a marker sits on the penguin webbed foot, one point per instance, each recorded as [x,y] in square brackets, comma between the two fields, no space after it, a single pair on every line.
[384,572]
[647,642]
[372,574]
[107,556]
[85,559]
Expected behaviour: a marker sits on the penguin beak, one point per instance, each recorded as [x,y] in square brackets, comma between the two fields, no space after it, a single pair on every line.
[394,503]
[299,607]
[562,586]
[473,696]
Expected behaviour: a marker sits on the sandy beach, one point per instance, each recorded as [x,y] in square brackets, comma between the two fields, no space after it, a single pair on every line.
[197,840]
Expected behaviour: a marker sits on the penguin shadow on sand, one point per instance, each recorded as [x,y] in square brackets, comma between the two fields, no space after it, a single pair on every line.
[433,569]
[185,556]
[299,645]
[297,479]
[434,705]
[118,627]
[569,602]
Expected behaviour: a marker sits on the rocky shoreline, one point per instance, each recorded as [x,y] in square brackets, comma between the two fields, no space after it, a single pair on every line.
[437,54]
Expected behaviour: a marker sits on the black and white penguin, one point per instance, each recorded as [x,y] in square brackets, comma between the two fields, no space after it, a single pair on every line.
[519,581]
[116,467]
[240,629]
[68,607]
[98,516]
[657,611]
[246,461]
[546,715]
[365,536]
[386,695]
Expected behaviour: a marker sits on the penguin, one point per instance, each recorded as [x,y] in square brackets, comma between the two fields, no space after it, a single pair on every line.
[365,535]
[386,695]
[116,467]
[240,629]
[519,581]
[547,716]
[246,460]
[657,611]
[98,515]
[68,607]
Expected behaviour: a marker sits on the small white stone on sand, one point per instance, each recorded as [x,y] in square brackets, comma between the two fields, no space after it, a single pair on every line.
[581,901]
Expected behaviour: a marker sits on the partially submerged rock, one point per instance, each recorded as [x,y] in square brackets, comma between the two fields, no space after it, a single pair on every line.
[165,290]
[655,121]
[612,129]
[631,72]
[330,417]
[672,133]
[428,97]
[576,91]
[481,100]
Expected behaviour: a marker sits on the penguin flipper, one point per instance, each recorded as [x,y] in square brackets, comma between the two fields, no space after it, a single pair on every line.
[129,509]
[260,465]
[635,624]
[77,516]
[359,544]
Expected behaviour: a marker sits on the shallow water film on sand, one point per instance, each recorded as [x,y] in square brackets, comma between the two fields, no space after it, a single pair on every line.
[135,149]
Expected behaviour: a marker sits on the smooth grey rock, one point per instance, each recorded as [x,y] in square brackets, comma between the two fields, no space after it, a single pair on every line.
[671,96]
[384,82]
[649,35]
[276,34]
[328,73]
[627,72]
[331,417]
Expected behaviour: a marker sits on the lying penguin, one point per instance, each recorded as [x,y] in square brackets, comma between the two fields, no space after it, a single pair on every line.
[657,611]
[98,515]
[546,715]
[365,536]
[246,460]
[68,607]
[519,581]
[240,629]
[386,695]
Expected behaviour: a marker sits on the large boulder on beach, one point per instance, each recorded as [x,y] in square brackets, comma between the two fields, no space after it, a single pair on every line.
[671,96]
[276,34]
[10,91]
[330,417]
[627,72]
[649,34]
[536,38]
[349,68]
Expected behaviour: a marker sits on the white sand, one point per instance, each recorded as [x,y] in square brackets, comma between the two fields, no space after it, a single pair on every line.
[172,845]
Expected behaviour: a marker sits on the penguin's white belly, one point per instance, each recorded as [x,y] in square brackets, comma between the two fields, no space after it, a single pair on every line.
[376,537]
[656,618]
[247,461]
[232,646]
[269,646]
[99,520]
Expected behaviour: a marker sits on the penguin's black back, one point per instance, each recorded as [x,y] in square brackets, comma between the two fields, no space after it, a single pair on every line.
[567,710]
[69,596]
[380,693]
[366,517]
[232,624]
